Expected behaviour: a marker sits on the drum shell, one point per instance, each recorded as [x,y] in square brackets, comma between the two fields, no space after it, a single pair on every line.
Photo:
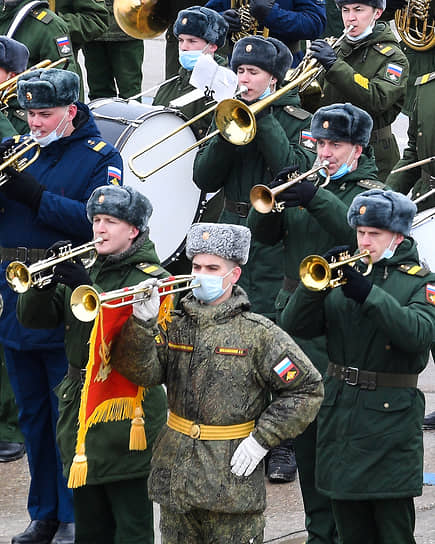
[423,228]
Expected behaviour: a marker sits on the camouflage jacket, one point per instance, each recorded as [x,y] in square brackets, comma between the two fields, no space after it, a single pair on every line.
[221,366]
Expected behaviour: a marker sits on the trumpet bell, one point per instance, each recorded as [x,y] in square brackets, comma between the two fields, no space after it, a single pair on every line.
[18,277]
[235,121]
[262,198]
[144,19]
[85,303]
[315,272]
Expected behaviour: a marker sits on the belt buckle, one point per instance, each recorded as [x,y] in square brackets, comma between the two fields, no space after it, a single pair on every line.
[195,430]
[349,380]
[242,209]
[22,254]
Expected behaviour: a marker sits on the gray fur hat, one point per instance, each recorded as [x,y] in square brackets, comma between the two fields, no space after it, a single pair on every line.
[383,210]
[342,123]
[227,241]
[122,202]
[202,22]
[269,54]
[48,88]
[13,55]
[374,3]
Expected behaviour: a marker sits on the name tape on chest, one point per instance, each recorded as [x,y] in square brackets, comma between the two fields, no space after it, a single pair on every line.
[180,347]
[286,370]
[240,352]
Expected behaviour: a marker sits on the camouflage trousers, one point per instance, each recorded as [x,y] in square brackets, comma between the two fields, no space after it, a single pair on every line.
[206,527]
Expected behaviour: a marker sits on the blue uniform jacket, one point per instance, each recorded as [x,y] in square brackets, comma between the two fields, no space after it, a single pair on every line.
[289,20]
[70,169]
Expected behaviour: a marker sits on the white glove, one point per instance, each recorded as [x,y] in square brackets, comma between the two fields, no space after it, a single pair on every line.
[247,456]
[148,307]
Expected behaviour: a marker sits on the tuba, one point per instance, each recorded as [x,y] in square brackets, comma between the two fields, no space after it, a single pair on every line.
[415,25]
[249,23]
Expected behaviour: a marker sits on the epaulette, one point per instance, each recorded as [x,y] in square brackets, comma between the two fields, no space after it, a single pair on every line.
[414,270]
[20,114]
[425,79]
[370,184]
[153,270]
[383,49]
[41,14]
[100,146]
[297,113]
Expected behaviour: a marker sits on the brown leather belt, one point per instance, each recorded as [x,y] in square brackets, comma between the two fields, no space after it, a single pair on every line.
[22,254]
[77,374]
[370,380]
[239,208]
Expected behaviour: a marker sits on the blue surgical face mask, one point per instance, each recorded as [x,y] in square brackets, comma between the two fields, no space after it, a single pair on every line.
[388,252]
[365,33]
[188,59]
[211,287]
[344,169]
[53,136]
[267,91]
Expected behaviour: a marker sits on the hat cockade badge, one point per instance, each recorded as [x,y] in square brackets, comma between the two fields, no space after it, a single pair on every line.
[362,210]
[100,199]
[248,48]
[29,95]
[325,124]
[205,235]
[184,21]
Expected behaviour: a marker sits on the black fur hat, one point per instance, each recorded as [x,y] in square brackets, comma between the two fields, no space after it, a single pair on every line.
[13,55]
[374,3]
[202,22]
[342,123]
[122,202]
[269,54]
[383,210]
[48,88]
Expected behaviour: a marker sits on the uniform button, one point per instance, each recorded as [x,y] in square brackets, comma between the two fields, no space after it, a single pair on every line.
[386,405]
[387,347]
[64,395]
[67,327]
[420,134]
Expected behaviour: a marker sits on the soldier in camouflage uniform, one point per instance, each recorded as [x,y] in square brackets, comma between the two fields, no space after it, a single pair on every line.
[379,328]
[313,220]
[219,362]
[368,69]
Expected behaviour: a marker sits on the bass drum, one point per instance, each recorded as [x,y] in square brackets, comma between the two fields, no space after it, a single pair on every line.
[423,228]
[177,202]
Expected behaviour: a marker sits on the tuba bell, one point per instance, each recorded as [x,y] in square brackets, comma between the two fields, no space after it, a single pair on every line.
[415,25]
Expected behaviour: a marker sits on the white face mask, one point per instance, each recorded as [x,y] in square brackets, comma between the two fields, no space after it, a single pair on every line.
[365,32]
[388,251]
[53,136]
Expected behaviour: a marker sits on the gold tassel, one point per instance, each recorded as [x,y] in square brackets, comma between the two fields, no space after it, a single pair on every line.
[79,469]
[138,439]
[166,306]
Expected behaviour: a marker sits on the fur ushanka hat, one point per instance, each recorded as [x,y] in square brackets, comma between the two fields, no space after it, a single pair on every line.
[14,55]
[224,240]
[202,22]
[48,88]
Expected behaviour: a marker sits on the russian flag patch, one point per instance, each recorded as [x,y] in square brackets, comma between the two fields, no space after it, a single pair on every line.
[394,72]
[114,175]
[308,140]
[286,370]
[430,293]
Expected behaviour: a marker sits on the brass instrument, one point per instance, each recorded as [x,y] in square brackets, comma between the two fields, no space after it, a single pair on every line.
[415,26]
[14,157]
[263,197]
[317,273]
[416,165]
[8,89]
[249,23]
[235,121]
[21,277]
[86,301]
[142,19]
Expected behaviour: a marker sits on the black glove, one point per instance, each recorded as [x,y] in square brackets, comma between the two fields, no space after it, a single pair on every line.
[22,187]
[299,194]
[71,273]
[260,9]
[357,286]
[323,52]
[54,250]
[6,146]
[335,252]
[232,17]
[283,175]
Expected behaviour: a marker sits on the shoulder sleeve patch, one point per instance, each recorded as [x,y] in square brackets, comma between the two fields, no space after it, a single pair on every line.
[383,49]
[153,270]
[370,184]
[64,46]
[114,175]
[41,14]
[430,293]
[393,72]
[425,79]
[286,370]
[414,270]
[308,140]
[297,113]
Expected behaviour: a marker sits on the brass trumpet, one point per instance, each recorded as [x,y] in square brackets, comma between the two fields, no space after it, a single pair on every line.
[14,157]
[317,273]
[142,19]
[21,277]
[263,197]
[86,301]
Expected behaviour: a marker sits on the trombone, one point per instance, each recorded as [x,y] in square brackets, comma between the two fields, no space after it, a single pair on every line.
[415,165]
[317,273]
[86,301]
[8,89]
[14,157]
[263,197]
[21,277]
